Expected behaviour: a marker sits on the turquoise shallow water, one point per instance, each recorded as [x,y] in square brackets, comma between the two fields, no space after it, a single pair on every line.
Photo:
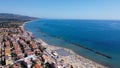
[99,35]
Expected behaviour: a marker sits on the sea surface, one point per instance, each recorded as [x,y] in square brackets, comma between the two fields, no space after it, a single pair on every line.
[85,37]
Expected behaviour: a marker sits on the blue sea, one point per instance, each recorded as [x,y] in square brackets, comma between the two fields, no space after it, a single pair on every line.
[88,36]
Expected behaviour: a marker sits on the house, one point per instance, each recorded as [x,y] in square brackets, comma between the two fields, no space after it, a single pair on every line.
[30,53]
[6,66]
[27,49]
[7,51]
[16,66]
[7,43]
[38,66]
[45,57]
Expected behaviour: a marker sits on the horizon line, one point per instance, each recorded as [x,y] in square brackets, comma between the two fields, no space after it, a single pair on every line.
[62,18]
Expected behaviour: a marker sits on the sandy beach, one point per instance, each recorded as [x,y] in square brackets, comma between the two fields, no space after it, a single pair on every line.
[67,56]
[72,59]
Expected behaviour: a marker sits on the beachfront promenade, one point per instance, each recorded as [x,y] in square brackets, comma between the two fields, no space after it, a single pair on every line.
[19,49]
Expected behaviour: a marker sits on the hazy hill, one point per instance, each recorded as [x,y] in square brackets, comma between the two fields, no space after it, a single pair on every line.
[15,17]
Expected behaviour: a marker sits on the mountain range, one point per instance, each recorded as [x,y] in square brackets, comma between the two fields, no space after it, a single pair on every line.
[15,17]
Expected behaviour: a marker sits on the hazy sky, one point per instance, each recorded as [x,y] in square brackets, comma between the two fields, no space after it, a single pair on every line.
[70,9]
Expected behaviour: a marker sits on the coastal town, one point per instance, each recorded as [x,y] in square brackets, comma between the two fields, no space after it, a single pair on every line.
[19,49]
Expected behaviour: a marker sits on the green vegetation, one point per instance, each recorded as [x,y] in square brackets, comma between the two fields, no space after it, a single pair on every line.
[13,54]
[13,20]
[10,25]
[15,17]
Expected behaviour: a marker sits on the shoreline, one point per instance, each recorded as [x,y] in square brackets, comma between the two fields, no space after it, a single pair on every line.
[77,61]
